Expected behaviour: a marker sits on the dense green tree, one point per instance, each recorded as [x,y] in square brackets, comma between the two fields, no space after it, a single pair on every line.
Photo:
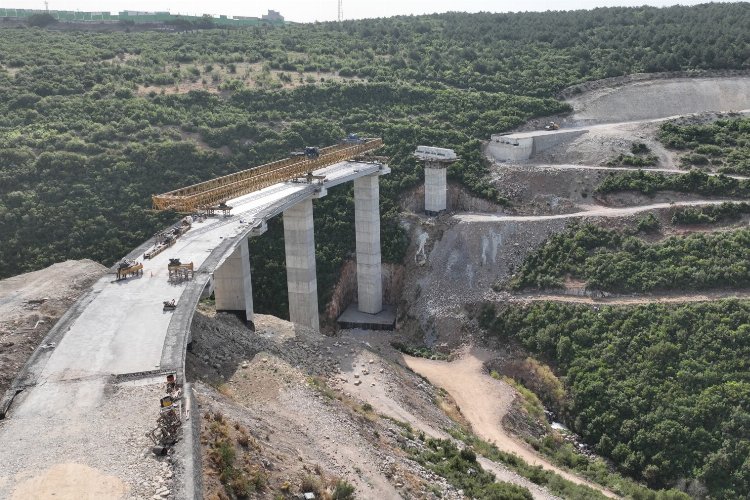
[662,390]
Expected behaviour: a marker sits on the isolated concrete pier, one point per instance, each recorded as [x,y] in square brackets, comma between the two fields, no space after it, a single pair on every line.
[302,284]
[233,287]
[367,226]
[435,187]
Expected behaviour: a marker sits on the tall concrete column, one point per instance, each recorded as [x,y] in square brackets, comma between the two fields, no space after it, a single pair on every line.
[367,226]
[233,287]
[435,187]
[299,242]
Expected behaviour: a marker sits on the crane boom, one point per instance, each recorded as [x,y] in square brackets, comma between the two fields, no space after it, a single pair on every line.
[221,189]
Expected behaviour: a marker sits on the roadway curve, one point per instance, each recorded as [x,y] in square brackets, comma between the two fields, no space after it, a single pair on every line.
[484,402]
[90,392]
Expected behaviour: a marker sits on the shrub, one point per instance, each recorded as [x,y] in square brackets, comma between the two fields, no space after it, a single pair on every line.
[343,490]
[40,20]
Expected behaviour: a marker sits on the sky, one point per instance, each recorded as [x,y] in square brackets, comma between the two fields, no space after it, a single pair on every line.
[326,10]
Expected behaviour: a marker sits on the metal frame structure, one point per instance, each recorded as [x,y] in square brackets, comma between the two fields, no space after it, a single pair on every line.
[214,191]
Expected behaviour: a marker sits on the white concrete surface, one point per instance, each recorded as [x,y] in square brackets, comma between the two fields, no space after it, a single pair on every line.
[523,145]
[301,280]
[232,285]
[119,328]
[435,187]
[367,227]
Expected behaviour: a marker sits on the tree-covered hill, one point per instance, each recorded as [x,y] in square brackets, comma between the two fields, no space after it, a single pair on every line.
[662,390]
[92,124]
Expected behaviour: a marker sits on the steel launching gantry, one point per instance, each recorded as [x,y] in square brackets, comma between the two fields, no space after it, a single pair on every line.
[216,191]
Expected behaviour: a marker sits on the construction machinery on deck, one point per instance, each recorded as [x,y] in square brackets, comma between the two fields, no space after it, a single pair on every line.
[179,271]
[213,192]
[168,237]
[128,268]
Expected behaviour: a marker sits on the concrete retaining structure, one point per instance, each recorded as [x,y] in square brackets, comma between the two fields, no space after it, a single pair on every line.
[523,145]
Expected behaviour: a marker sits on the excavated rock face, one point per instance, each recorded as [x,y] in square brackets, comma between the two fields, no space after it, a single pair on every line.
[661,98]
[451,264]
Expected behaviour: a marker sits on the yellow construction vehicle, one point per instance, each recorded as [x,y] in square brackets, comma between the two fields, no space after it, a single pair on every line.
[552,126]
[128,268]
[179,271]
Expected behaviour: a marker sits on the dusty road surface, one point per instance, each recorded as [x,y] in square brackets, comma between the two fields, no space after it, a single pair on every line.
[484,402]
[632,300]
[588,211]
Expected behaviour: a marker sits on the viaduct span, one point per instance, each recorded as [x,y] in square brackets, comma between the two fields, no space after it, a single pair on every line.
[102,365]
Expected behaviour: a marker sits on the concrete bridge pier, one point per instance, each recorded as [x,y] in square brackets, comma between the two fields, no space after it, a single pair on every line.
[233,287]
[435,187]
[302,284]
[367,227]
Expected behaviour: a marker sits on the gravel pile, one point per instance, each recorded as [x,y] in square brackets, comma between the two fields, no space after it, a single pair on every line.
[118,454]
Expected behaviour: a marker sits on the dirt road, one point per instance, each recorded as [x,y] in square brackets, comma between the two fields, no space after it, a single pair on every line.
[626,169]
[484,402]
[640,299]
[588,211]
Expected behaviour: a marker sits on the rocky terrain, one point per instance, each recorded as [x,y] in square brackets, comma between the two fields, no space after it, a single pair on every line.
[319,410]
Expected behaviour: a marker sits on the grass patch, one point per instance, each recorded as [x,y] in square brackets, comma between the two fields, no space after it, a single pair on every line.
[595,471]
[320,385]
[460,469]
[419,352]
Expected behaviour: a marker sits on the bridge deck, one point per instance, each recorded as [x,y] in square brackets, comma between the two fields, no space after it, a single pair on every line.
[119,329]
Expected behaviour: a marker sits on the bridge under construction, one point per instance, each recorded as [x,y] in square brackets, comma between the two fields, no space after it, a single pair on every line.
[114,346]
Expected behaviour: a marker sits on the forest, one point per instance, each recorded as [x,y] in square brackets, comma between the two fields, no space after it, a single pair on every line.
[710,214]
[723,145]
[694,181]
[618,261]
[92,124]
[664,391]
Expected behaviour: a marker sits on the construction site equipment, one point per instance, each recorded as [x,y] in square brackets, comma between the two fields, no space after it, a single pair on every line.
[179,271]
[352,139]
[552,126]
[310,152]
[170,305]
[167,238]
[221,207]
[128,268]
[215,191]
[168,424]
